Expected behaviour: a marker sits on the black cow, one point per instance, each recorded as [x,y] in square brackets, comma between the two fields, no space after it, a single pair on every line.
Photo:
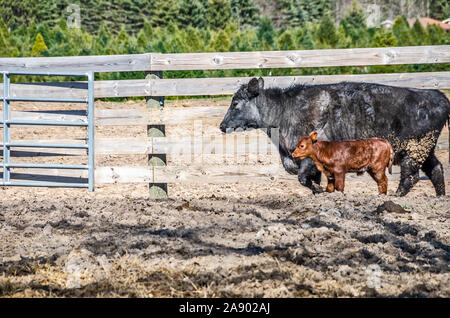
[410,119]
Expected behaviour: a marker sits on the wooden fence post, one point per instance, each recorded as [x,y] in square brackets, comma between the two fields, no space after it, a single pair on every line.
[156,190]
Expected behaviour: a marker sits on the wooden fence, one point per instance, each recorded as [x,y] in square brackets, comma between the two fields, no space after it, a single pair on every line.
[156,115]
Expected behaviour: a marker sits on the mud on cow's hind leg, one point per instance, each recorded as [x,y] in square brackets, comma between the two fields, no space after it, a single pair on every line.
[409,175]
[309,176]
[435,172]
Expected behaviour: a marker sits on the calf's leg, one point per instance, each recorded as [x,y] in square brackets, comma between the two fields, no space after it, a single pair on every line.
[339,181]
[434,171]
[382,181]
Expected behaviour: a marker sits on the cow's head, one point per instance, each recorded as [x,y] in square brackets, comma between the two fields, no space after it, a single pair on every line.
[244,112]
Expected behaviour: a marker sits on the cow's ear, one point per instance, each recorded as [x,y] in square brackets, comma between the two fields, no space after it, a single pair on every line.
[313,136]
[253,87]
[261,83]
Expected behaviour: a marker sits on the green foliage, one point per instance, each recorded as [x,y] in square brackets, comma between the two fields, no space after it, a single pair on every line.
[418,33]
[384,38]
[354,23]
[286,41]
[218,13]
[192,13]
[39,45]
[180,26]
[298,12]
[440,9]
[402,31]
[245,12]
[266,33]
[327,34]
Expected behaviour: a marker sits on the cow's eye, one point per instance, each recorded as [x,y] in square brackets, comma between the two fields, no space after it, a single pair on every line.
[303,146]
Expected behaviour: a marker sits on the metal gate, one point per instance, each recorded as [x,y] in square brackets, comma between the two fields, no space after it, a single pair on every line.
[8,144]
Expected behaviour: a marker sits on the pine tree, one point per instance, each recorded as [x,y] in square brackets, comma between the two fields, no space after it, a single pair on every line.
[192,13]
[440,9]
[286,41]
[220,42]
[245,12]
[142,40]
[402,31]
[165,12]
[384,38]
[218,13]
[148,29]
[437,35]
[194,41]
[266,32]
[306,40]
[419,34]
[326,34]
[39,45]
[354,23]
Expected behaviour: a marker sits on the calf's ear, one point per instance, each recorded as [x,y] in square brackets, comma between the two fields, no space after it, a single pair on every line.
[313,136]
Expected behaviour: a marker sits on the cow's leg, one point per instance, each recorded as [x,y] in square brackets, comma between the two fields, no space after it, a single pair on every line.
[409,175]
[307,173]
[434,171]
[339,181]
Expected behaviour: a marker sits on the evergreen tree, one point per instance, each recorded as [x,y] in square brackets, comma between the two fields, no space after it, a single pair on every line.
[437,36]
[148,29]
[440,9]
[39,45]
[266,32]
[402,31]
[142,41]
[419,35]
[344,41]
[245,12]
[194,41]
[192,13]
[218,13]
[286,41]
[326,34]
[384,38]
[354,23]
[306,40]
[165,12]
[220,42]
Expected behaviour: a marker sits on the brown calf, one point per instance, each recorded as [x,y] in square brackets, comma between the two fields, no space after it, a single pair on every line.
[336,158]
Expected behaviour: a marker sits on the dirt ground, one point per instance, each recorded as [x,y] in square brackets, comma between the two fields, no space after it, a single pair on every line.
[226,240]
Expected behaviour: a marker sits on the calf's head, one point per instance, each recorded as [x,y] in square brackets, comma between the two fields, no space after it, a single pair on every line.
[305,146]
[244,112]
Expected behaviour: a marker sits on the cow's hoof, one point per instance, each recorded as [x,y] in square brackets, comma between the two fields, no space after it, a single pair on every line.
[317,190]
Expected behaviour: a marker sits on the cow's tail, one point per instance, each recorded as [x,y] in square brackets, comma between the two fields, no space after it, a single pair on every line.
[391,158]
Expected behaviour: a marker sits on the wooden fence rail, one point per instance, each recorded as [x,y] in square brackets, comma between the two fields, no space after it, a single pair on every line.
[216,86]
[232,60]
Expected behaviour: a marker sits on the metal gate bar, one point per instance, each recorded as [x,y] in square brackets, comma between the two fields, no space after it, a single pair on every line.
[7,122]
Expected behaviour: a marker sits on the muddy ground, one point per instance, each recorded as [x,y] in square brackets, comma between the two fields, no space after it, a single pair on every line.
[227,240]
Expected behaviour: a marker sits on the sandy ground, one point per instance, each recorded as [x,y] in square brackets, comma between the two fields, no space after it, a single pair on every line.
[230,240]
